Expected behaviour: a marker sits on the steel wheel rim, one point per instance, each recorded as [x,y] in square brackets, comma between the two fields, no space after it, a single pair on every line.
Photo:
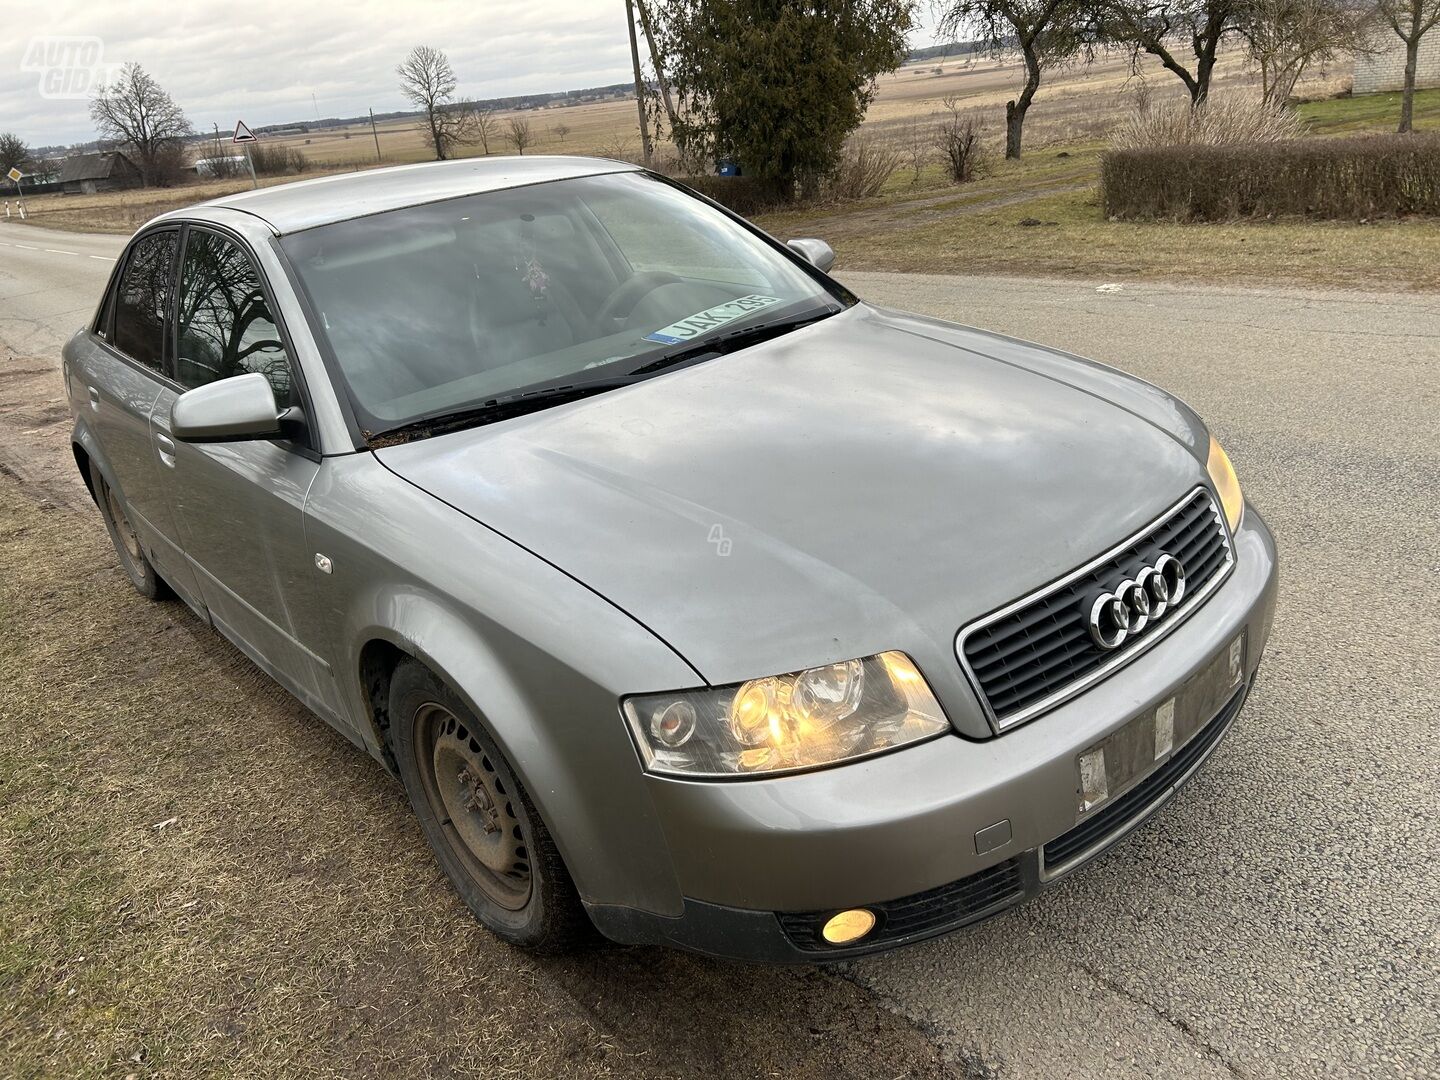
[475,809]
[128,540]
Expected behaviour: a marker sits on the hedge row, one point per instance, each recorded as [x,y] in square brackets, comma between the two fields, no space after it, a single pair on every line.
[1358,177]
[743,194]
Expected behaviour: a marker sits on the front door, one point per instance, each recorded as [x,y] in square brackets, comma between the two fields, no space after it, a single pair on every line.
[241,505]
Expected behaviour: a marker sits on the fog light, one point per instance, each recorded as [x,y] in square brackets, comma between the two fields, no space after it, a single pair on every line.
[848,926]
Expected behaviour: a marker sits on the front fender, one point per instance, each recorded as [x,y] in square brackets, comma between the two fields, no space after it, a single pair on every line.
[539,658]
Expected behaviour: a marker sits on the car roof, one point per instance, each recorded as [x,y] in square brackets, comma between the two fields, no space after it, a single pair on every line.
[288,208]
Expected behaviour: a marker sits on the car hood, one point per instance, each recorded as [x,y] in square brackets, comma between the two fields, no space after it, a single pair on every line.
[871,482]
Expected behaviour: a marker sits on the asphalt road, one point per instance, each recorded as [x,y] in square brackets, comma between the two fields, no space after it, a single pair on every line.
[49,283]
[1282,917]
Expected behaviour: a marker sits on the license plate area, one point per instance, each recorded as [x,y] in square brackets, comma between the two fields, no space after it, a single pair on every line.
[1114,765]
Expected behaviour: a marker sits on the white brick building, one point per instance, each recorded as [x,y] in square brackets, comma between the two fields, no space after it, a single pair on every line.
[1384,69]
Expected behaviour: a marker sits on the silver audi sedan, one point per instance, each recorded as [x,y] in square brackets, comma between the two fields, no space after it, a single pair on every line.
[693,600]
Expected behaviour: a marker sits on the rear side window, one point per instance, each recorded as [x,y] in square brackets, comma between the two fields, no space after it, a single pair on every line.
[226,326]
[144,295]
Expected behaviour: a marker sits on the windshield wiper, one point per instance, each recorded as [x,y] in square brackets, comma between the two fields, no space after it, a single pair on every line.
[494,409]
[719,344]
[542,397]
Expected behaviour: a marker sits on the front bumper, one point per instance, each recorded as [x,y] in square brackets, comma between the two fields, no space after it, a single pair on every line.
[759,862]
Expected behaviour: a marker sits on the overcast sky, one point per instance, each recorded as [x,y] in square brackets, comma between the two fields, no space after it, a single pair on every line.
[261,60]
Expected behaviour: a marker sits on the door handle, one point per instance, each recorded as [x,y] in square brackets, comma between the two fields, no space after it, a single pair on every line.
[166,448]
[94,398]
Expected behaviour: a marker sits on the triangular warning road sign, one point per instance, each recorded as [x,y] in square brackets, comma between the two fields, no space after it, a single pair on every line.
[243,133]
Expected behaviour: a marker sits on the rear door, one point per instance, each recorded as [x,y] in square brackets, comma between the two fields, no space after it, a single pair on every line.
[240,505]
[122,379]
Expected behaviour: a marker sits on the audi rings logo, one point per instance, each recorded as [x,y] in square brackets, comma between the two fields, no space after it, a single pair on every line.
[1137,602]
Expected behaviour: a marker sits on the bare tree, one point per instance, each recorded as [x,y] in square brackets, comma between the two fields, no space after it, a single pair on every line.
[482,127]
[1411,20]
[1047,33]
[1163,27]
[428,82]
[138,115]
[960,140]
[519,134]
[1287,37]
[560,131]
[915,146]
[220,158]
[13,152]
[619,147]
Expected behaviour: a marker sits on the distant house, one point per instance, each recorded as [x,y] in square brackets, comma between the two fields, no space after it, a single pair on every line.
[1383,70]
[85,174]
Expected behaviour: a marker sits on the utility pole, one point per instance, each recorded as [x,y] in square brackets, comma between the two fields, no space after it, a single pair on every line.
[655,59]
[216,167]
[639,84]
[376,133]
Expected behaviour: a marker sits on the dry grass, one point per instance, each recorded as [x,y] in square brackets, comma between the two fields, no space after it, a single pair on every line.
[125,211]
[1222,122]
[921,222]
[1072,239]
[1079,104]
[197,877]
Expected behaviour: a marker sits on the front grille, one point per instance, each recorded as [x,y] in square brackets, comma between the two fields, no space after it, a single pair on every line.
[1125,809]
[923,914]
[1037,652]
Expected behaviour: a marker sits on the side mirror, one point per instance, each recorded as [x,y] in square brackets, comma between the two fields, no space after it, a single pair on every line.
[816,252]
[231,410]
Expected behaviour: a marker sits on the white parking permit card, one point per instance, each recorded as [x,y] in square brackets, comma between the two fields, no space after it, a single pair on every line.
[703,321]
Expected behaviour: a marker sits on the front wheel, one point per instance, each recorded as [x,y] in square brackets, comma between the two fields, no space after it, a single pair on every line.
[479,821]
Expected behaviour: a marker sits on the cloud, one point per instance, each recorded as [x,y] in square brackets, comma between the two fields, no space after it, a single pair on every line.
[261,60]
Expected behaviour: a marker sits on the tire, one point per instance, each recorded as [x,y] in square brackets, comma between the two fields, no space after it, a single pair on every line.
[128,548]
[478,819]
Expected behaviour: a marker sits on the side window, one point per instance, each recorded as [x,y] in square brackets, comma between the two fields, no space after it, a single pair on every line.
[143,297]
[226,327]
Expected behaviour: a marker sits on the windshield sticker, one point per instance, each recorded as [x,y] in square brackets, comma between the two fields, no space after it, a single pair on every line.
[704,321]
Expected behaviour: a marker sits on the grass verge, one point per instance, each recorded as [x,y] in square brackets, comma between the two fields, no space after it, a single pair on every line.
[197,877]
[1368,112]
[1072,239]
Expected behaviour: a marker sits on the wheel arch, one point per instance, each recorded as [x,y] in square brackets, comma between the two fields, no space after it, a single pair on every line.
[86,449]
[446,647]
[428,633]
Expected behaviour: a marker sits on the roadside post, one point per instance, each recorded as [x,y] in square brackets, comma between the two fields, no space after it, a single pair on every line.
[17,176]
[244,137]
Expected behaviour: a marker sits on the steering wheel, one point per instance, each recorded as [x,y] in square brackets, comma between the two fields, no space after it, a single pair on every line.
[620,303]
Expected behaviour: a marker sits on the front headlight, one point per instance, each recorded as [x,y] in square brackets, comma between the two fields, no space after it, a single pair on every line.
[814,717]
[1222,475]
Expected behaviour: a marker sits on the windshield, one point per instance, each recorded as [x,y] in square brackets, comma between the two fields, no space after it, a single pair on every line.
[436,309]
